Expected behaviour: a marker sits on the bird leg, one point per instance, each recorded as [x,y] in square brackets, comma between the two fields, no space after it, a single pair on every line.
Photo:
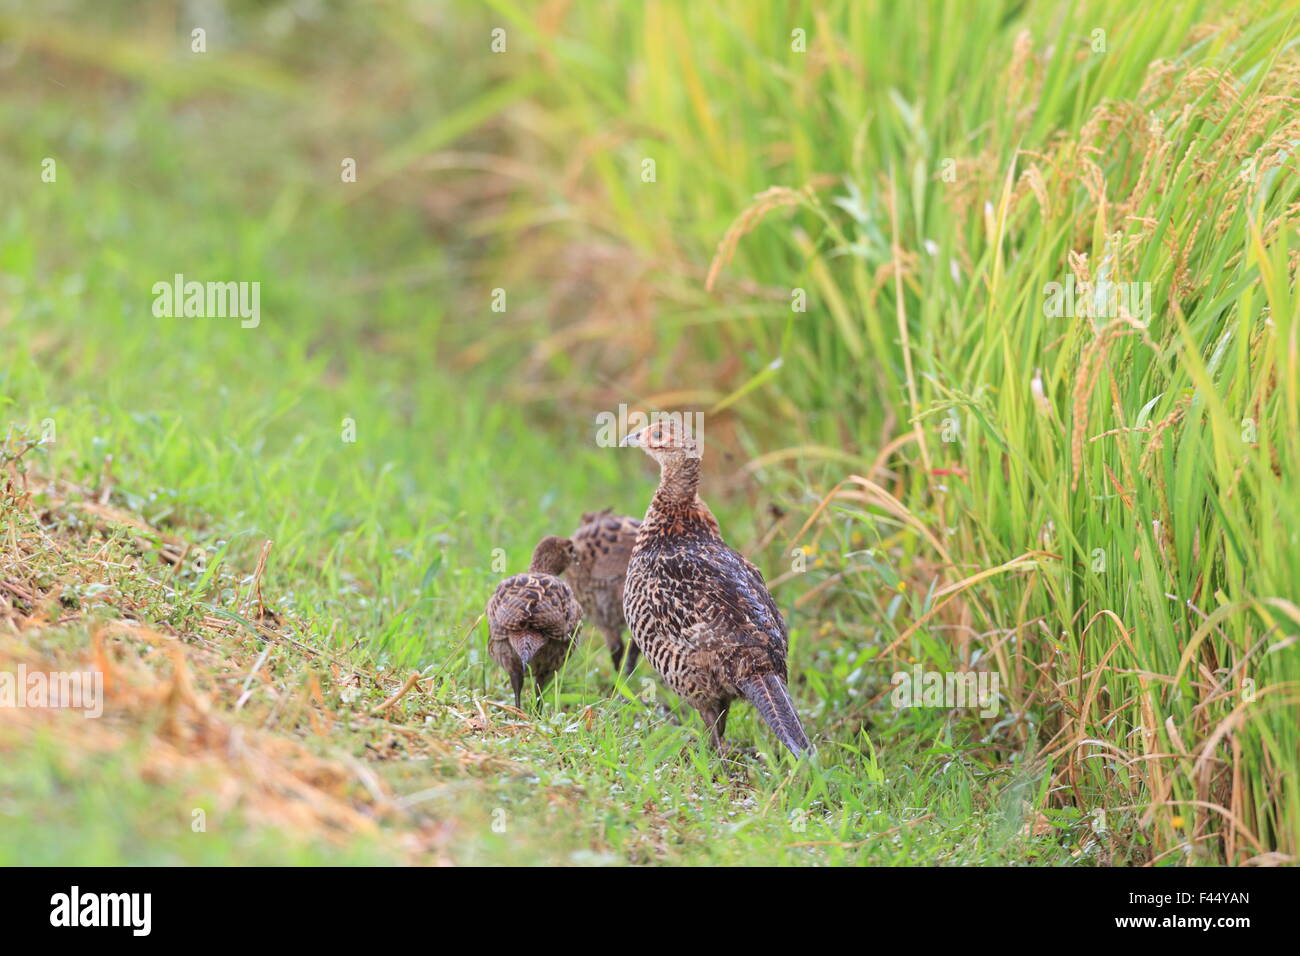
[622,663]
[539,683]
[517,685]
[715,718]
[615,644]
[633,655]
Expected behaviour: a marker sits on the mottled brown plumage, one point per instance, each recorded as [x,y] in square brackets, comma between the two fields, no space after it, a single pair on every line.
[533,617]
[603,544]
[701,613]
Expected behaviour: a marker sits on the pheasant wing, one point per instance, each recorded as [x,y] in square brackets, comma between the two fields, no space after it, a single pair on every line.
[538,602]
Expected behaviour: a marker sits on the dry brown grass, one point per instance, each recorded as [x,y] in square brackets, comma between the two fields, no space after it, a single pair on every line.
[198,705]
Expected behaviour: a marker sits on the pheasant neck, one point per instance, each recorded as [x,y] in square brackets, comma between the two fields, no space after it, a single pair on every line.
[676,510]
[679,480]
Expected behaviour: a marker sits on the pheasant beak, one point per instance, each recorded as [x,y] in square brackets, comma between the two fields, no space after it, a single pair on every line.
[633,440]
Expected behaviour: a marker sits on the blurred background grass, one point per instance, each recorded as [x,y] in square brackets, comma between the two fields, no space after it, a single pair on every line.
[1102,513]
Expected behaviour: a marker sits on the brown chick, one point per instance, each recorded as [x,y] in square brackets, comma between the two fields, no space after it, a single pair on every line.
[603,544]
[533,617]
[701,613]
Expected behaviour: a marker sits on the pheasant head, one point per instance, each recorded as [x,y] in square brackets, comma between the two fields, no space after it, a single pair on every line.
[552,555]
[665,440]
[678,454]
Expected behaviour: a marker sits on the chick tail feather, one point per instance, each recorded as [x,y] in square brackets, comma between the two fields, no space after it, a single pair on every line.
[526,644]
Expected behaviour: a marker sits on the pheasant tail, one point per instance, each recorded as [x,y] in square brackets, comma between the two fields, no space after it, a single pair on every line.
[527,644]
[769,695]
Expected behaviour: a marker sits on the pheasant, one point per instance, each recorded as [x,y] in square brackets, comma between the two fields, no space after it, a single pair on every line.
[700,612]
[533,617]
[604,543]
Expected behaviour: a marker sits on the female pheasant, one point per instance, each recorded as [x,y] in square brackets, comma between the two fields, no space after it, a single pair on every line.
[701,613]
[533,617]
[603,543]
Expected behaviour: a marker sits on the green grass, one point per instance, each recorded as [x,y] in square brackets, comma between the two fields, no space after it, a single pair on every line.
[474,429]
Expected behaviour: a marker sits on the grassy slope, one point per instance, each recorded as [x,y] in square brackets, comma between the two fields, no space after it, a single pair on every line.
[383,550]
[384,547]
